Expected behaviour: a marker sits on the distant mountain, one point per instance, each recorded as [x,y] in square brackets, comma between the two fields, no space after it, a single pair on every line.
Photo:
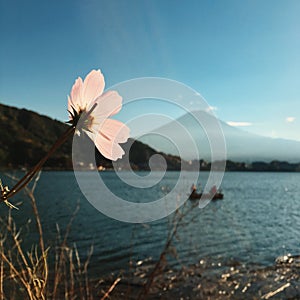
[241,145]
[25,137]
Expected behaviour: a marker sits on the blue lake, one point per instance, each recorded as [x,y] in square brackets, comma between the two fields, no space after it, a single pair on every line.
[258,220]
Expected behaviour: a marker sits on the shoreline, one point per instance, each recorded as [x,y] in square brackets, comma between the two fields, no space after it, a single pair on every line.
[142,170]
[204,281]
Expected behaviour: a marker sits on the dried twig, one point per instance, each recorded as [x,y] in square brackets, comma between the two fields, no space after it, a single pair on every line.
[111,288]
[176,222]
[30,270]
[271,294]
[60,260]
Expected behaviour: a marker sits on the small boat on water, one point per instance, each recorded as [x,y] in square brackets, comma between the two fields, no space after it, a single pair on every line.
[217,196]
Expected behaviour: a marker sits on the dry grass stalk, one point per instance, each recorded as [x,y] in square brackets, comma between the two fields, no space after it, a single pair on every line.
[28,272]
[159,267]
[106,295]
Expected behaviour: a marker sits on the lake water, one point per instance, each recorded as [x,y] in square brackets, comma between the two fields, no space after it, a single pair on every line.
[258,220]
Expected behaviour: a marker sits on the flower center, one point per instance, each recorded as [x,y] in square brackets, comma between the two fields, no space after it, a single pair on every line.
[82,119]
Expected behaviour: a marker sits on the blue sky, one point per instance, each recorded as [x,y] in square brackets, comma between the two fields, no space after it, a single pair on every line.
[242,56]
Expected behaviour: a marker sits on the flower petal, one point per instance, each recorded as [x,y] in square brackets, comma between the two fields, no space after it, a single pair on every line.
[108,148]
[73,110]
[93,86]
[76,94]
[115,130]
[108,105]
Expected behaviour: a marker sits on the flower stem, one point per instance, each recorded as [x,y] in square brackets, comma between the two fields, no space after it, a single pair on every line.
[28,177]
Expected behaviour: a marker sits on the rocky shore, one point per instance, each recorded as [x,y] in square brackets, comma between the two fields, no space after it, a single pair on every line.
[208,280]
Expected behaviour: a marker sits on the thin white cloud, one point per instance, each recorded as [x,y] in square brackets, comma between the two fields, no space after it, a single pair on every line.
[239,124]
[290,119]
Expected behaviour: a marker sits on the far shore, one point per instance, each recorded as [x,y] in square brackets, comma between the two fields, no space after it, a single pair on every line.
[231,166]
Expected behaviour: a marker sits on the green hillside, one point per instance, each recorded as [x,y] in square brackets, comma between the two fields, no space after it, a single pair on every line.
[26,136]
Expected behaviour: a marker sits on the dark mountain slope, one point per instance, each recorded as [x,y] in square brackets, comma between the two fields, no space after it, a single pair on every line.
[25,137]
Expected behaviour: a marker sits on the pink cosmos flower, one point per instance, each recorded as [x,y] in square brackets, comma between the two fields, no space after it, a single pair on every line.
[90,110]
